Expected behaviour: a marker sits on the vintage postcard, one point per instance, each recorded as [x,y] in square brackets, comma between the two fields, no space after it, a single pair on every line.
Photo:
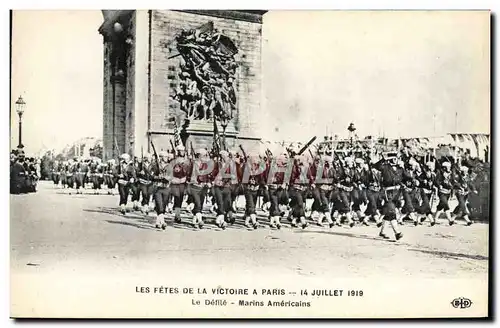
[250,164]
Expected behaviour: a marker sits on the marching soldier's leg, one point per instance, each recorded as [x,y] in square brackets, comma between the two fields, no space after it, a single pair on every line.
[316,206]
[466,212]
[145,190]
[176,193]
[326,208]
[346,207]
[219,200]
[266,198]
[195,198]
[228,204]
[461,209]
[384,225]
[122,190]
[274,212]
[190,202]
[392,216]
[249,207]
[198,197]
[136,195]
[358,201]
[301,208]
[294,208]
[426,209]
[160,196]
[250,216]
[440,207]
[408,208]
[437,215]
[97,184]
[199,216]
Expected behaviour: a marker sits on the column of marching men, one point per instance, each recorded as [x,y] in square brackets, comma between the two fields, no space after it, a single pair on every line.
[345,189]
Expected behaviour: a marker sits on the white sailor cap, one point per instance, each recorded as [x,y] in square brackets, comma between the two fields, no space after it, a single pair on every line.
[202,152]
[359,160]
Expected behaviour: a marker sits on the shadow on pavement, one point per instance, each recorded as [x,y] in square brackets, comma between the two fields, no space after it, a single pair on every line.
[348,234]
[455,256]
[131,224]
[105,210]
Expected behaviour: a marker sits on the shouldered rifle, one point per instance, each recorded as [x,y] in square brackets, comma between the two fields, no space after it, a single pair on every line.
[310,153]
[117,149]
[173,148]
[269,154]
[155,154]
[304,148]
[244,153]
[192,149]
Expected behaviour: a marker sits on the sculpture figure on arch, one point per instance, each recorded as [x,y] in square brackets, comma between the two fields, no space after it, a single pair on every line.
[207,74]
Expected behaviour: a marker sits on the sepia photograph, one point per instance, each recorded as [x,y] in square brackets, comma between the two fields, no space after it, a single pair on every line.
[250,164]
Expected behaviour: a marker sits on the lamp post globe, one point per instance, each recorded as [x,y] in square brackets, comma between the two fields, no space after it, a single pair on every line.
[20,108]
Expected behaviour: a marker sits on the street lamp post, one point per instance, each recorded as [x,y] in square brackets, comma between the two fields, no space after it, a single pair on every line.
[20,107]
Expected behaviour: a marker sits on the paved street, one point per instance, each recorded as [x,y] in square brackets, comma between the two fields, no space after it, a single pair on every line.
[52,229]
[75,255]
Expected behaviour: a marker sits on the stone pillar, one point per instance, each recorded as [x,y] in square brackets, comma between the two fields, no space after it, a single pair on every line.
[117,110]
[119,107]
[141,85]
[108,127]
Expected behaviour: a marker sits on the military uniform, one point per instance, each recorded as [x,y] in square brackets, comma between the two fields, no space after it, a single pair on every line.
[223,190]
[392,176]
[342,204]
[463,187]
[300,181]
[323,173]
[373,193]
[180,175]
[410,194]
[162,177]
[80,173]
[444,182]
[251,189]
[277,190]
[145,183]
[126,177]
[427,185]
[360,178]
[199,184]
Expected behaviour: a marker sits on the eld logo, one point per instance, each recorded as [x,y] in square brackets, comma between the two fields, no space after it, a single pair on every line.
[461,303]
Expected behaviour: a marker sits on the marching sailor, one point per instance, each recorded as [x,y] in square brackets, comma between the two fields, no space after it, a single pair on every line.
[427,186]
[179,178]
[126,177]
[444,182]
[462,189]
[161,178]
[392,175]
[145,182]
[199,184]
